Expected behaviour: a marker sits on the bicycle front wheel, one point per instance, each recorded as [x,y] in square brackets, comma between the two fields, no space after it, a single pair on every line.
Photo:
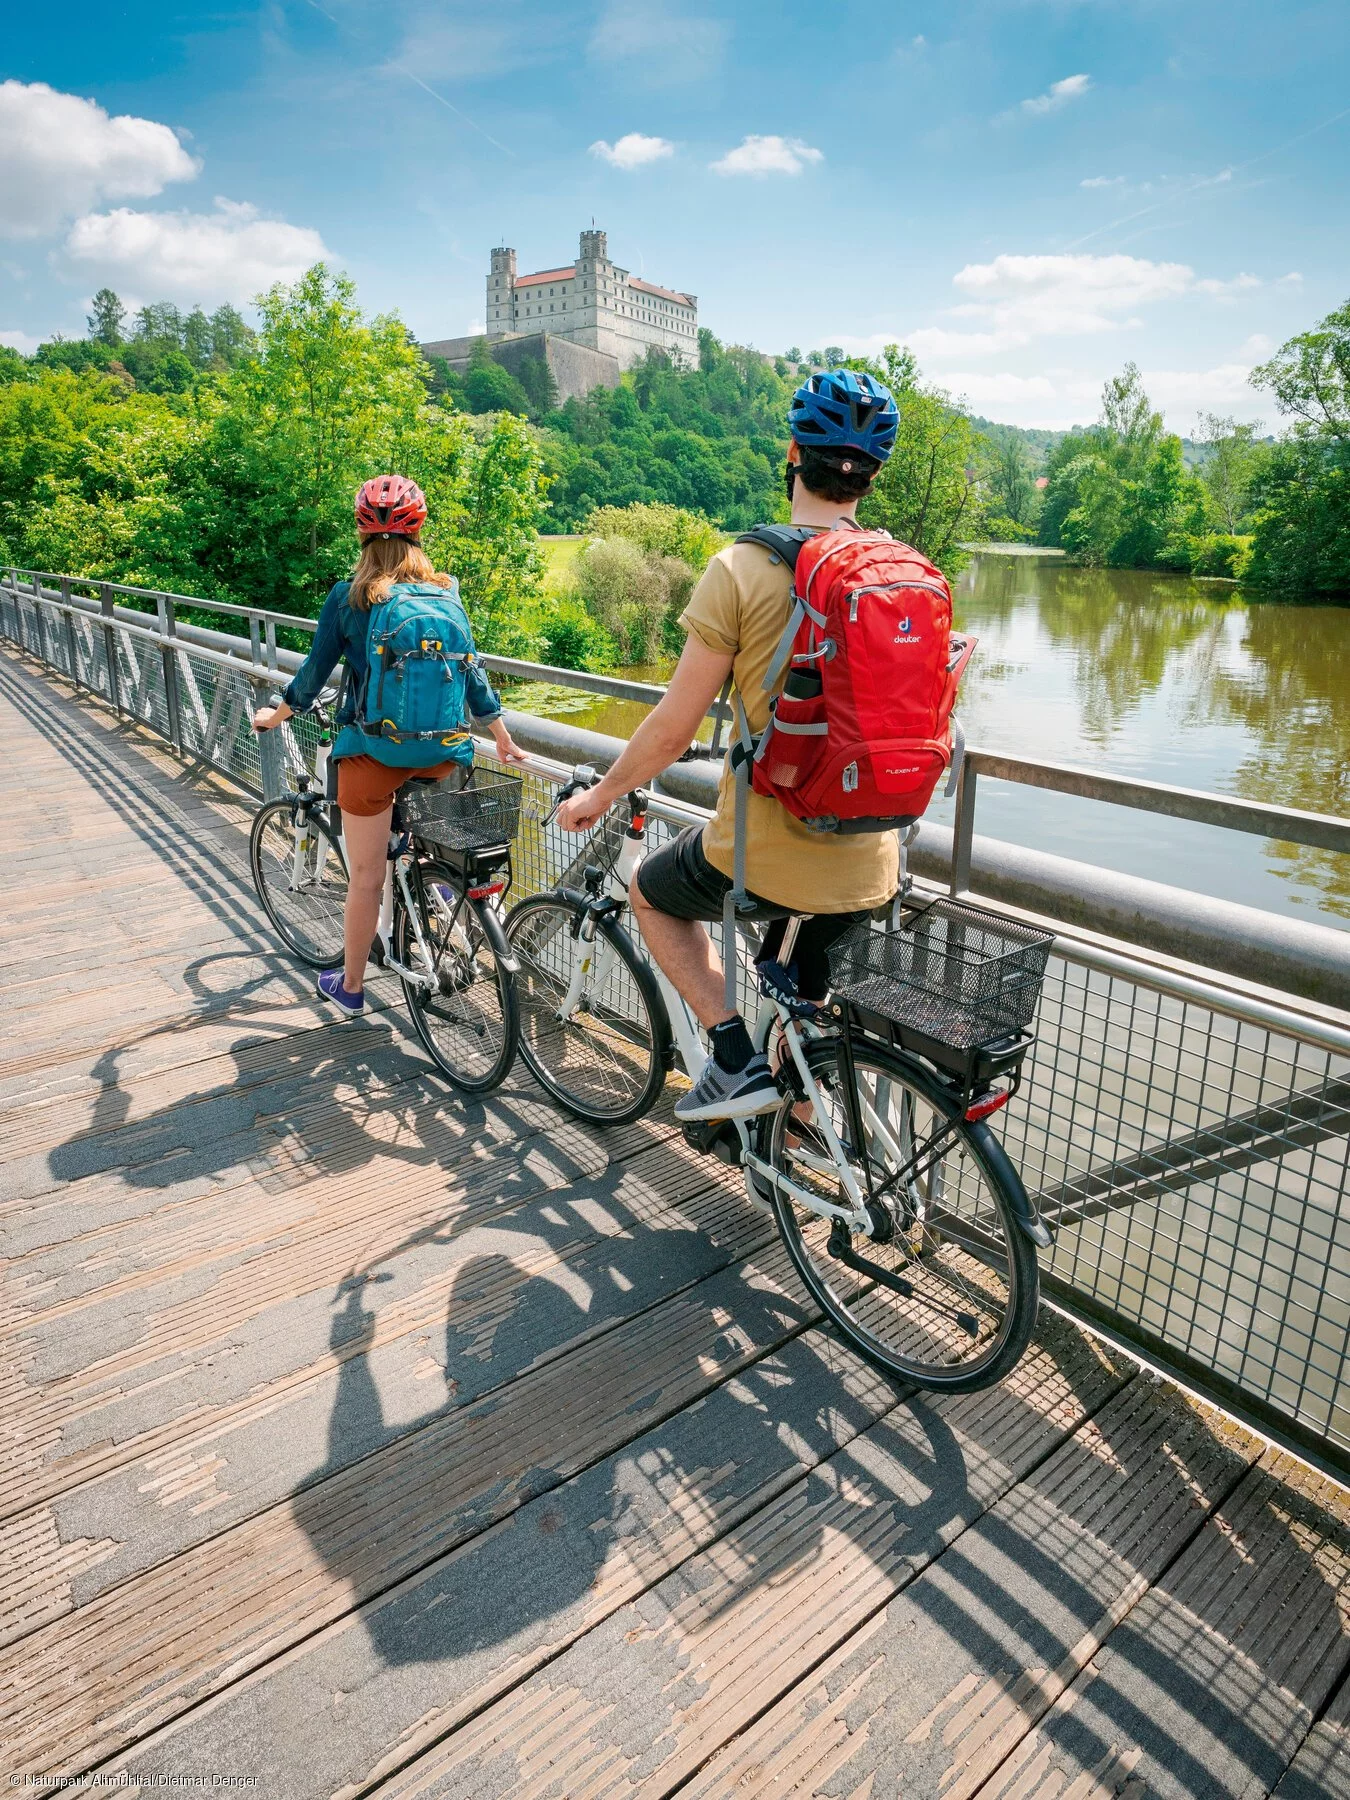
[945,1292]
[301,878]
[468,1021]
[594,1031]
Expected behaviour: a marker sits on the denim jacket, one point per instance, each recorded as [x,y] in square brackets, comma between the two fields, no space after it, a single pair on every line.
[341,631]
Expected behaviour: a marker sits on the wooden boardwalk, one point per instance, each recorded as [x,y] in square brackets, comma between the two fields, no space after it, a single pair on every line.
[359,1439]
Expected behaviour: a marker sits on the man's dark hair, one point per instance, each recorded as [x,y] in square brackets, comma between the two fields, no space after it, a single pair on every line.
[836,475]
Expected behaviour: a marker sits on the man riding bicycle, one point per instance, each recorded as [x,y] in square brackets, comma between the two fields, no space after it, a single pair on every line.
[843,429]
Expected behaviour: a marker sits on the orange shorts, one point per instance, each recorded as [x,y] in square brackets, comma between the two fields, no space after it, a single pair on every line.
[366,787]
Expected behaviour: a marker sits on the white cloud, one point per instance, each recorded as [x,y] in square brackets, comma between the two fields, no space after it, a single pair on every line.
[1103,181]
[1210,390]
[633,150]
[658,46]
[62,155]
[1025,297]
[1073,87]
[1292,279]
[1258,344]
[21,341]
[1227,290]
[229,254]
[767,156]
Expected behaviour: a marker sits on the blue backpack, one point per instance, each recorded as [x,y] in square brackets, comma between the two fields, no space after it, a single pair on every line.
[418,648]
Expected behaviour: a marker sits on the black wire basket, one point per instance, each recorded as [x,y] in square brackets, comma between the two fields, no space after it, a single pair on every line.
[951,973]
[478,817]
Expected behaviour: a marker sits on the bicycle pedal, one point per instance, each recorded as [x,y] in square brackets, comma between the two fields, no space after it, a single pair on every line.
[714,1137]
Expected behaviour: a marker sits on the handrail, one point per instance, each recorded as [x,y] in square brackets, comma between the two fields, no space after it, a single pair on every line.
[1288,824]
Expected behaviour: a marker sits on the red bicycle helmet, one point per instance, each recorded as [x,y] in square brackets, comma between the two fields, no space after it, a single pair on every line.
[390,506]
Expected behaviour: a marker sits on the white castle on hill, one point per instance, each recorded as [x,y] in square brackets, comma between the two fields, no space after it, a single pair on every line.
[592,302]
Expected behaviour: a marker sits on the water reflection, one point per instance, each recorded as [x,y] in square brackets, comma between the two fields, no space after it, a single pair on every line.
[1164,677]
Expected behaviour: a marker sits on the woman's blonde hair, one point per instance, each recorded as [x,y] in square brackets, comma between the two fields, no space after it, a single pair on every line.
[382,564]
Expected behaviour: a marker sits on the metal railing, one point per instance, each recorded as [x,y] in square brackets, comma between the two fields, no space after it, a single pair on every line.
[1186,1136]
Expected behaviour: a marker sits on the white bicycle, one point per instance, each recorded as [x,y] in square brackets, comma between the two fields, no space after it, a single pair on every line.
[896,1202]
[440,928]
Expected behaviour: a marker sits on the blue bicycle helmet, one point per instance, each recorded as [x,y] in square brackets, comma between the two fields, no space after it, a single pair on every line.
[842,410]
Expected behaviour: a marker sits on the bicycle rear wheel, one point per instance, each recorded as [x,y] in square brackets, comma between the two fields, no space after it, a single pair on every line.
[469,1023]
[606,1061]
[950,1301]
[301,878]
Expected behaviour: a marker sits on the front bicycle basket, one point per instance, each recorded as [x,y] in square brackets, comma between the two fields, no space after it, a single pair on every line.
[952,973]
[477,817]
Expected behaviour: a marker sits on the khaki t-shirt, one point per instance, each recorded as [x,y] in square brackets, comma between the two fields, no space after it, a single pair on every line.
[742,605]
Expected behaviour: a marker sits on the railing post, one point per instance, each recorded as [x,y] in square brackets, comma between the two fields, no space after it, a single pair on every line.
[271,766]
[40,621]
[170,657]
[105,606]
[963,833]
[71,646]
[271,761]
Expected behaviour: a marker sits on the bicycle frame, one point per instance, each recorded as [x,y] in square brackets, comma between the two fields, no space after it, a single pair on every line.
[611,895]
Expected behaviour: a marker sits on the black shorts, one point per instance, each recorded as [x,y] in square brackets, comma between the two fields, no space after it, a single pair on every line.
[678,880]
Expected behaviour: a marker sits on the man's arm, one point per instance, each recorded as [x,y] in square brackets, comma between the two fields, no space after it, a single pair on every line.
[666,732]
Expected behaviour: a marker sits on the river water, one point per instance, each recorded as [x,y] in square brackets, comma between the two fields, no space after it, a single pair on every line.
[1154,676]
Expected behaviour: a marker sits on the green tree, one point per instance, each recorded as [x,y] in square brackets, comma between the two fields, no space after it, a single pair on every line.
[197,345]
[1310,376]
[925,494]
[1012,485]
[160,322]
[540,389]
[1120,493]
[107,318]
[231,339]
[1301,498]
[1231,459]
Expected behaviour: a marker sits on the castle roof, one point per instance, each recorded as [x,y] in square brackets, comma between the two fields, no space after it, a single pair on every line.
[545,275]
[647,287]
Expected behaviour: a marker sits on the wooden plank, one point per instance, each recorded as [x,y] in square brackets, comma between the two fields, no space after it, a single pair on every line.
[1321,1770]
[76,1692]
[935,1692]
[640,1703]
[463,1314]
[90,1393]
[1211,1685]
[394,1677]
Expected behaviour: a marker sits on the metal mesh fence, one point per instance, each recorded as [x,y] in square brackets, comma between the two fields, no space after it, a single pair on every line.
[1193,1164]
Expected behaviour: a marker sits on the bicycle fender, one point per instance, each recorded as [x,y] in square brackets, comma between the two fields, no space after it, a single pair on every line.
[1029,1221]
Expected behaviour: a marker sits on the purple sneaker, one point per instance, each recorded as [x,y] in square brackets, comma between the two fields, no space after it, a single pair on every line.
[331,988]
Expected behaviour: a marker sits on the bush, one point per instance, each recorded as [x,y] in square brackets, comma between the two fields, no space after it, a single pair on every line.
[572,638]
[632,596]
[1220,553]
[659,530]
[1003,530]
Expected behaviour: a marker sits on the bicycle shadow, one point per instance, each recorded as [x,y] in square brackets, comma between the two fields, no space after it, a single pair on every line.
[509,1316]
[782,1477]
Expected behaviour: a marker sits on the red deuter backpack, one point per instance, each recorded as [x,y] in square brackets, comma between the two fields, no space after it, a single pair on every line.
[860,729]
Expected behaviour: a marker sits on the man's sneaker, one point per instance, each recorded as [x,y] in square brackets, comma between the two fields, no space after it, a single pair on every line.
[331,988]
[719,1094]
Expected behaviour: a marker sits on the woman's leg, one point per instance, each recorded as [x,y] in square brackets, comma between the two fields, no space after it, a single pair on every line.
[367,841]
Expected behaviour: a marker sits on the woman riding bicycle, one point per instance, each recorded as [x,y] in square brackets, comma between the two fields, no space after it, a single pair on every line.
[390,514]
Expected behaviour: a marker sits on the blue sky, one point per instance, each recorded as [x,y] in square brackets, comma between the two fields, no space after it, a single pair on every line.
[1028,193]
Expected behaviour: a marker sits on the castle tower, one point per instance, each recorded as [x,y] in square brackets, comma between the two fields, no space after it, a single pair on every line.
[501,300]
